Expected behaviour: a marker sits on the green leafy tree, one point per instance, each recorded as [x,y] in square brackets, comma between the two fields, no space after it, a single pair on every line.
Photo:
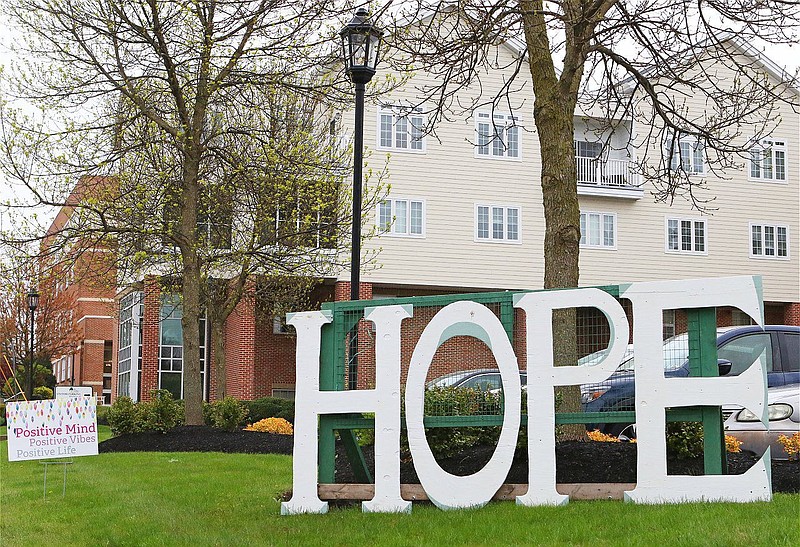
[190,127]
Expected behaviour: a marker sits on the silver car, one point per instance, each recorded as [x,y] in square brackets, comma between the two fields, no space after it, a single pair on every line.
[784,419]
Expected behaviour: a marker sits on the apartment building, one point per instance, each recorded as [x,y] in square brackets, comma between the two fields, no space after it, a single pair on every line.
[465,208]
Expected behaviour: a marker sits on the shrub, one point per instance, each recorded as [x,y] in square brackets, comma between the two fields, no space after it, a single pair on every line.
[208,414]
[732,444]
[791,445]
[454,401]
[228,414]
[272,425]
[271,407]
[102,414]
[601,437]
[42,393]
[160,413]
[123,417]
[685,439]
[2,414]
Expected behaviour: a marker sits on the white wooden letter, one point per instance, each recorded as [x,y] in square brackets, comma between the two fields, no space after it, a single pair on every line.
[384,401]
[445,490]
[655,393]
[543,376]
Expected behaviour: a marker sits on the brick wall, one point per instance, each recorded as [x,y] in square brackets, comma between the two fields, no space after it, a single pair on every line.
[791,314]
[240,350]
[150,336]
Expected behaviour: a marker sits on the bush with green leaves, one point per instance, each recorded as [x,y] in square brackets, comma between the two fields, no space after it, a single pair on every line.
[270,407]
[685,439]
[2,414]
[123,417]
[102,414]
[42,393]
[161,413]
[228,414]
[456,401]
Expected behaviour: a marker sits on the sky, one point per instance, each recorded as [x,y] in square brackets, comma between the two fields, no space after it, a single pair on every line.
[785,56]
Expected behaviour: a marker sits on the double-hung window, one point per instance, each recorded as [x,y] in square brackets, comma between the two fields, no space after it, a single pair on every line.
[497,223]
[768,161]
[497,135]
[769,241]
[599,230]
[401,128]
[686,154]
[686,236]
[401,217]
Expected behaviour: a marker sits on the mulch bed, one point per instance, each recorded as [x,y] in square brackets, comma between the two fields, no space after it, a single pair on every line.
[576,462]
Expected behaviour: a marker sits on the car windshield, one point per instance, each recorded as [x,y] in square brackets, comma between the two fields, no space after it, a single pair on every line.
[675,352]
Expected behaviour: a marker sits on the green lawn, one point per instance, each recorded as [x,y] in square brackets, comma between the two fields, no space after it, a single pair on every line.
[231,499]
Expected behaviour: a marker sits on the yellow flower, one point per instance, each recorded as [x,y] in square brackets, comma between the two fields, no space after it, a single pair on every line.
[272,425]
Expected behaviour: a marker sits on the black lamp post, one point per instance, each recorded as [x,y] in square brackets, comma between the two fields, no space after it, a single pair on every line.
[361,41]
[360,44]
[33,303]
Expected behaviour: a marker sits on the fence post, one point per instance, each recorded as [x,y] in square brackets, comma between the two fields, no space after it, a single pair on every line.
[702,334]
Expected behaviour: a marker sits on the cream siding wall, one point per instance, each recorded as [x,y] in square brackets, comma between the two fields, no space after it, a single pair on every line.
[451,181]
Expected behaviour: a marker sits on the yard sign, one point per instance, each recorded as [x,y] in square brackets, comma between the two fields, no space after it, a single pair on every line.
[56,428]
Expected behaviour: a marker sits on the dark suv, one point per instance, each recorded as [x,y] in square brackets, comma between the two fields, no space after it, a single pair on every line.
[737,348]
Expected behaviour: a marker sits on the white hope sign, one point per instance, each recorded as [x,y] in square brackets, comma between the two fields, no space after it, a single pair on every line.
[654,394]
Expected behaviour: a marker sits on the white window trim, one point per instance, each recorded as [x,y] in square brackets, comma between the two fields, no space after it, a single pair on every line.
[396,110]
[602,247]
[770,143]
[487,117]
[382,231]
[691,139]
[762,256]
[491,239]
[679,251]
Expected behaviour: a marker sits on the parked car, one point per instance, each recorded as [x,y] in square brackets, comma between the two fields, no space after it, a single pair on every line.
[737,348]
[484,379]
[784,419]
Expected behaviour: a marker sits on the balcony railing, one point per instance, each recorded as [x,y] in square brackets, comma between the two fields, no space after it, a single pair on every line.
[611,172]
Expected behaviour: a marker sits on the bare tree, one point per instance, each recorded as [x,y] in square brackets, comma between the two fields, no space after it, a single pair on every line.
[187,106]
[612,58]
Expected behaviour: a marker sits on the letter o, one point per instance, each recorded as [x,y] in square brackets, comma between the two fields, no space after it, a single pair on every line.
[445,490]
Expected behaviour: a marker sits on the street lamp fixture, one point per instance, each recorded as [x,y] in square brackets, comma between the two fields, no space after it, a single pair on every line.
[33,303]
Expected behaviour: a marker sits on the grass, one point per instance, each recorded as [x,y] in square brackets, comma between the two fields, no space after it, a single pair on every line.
[231,499]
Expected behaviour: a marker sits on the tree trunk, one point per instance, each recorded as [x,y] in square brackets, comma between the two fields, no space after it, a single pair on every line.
[218,353]
[554,109]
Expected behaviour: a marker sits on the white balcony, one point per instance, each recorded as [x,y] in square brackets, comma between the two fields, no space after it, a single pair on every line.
[610,177]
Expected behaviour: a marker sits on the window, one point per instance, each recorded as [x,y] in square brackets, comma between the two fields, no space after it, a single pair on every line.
[170,357]
[769,241]
[599,230]
[745,350]
[305,221]
[129,359]
[401,128]
[686,154]
[668,321]
[686,236]
[497,223]
[108,357]
[497,135]
[768,161]
[403,217]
